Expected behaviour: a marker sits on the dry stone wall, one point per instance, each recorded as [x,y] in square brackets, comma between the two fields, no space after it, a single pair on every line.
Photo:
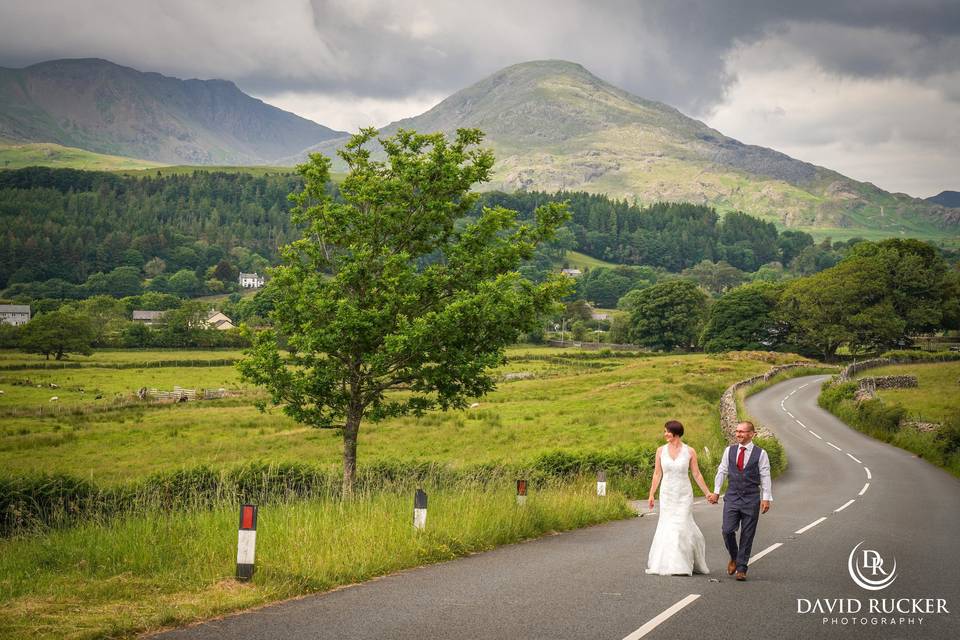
[728,401]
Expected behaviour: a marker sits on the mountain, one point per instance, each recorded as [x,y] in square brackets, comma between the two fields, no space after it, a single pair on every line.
[103,107]
[553,125]
[949,199]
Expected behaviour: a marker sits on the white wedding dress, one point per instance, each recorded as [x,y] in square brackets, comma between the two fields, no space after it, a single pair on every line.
[678,547]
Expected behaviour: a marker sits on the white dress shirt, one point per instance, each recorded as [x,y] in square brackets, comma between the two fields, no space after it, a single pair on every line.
[765,483]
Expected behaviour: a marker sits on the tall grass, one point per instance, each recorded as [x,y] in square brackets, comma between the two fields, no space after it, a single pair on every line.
[32,504]
[119,577]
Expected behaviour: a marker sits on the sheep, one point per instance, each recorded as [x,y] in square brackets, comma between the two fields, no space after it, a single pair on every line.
[54,398]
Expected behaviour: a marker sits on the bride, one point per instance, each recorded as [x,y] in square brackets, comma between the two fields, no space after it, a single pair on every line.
[678,547]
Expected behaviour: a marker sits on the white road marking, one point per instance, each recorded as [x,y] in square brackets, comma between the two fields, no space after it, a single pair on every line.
[869,475]
[835,446]
[757,556]
[849,502]
[802,386]
[663,617]
[791,415]
[811,525]
[801,424]
[854,459]
[864,490]
[814,434]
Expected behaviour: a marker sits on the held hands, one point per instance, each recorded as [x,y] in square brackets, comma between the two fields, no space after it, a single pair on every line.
[713,498]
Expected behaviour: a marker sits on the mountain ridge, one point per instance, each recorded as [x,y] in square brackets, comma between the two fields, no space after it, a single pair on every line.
[100,106]
[555,126]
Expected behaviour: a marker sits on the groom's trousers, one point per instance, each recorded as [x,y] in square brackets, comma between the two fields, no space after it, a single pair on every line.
[743,515]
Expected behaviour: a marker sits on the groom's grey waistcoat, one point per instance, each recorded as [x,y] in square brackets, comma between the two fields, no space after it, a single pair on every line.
[743,486]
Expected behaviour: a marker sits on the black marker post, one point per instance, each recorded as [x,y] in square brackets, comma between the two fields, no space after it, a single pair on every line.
[420,509]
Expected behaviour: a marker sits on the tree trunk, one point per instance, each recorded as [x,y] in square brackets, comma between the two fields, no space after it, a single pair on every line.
[350,430]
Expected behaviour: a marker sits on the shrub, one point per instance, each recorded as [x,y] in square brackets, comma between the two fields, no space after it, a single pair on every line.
[948,436]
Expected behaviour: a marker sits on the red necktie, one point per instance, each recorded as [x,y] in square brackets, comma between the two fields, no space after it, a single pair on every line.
[740,458]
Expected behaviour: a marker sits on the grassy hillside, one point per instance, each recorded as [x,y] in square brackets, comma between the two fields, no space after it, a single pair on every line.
[47,154]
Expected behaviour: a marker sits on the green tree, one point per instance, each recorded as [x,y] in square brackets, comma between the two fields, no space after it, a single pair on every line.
[108,317]
[58,334]
[668,315]
[184,283]
[603,286]
[225,272]
[121,282]
[715,277]
[385,292]
[744,319]
[874,299]
[154,267]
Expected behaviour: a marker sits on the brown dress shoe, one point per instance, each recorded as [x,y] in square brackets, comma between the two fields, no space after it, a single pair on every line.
[741,576]
[731,567]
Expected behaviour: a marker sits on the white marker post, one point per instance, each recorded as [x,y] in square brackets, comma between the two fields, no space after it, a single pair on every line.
[521,492]
[246,542]
[601,483]
[420,509]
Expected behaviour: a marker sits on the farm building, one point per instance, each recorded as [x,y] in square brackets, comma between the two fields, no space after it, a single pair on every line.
[15,314]
[251,280]
[217,320]
[148,317]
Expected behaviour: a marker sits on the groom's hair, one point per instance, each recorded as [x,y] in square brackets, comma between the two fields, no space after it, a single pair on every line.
[749,424]
[674,427]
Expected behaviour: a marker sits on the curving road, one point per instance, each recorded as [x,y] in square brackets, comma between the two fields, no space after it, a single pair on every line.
[841,489]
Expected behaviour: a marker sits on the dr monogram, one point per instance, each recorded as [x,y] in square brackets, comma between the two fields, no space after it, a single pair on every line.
[867,570]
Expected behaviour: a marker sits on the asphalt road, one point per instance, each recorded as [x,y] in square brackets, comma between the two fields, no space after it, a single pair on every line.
[591,583]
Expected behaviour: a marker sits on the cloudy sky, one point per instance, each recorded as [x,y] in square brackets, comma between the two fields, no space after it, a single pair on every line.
[870,88]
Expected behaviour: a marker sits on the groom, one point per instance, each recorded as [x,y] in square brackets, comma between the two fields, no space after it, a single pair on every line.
[748,495]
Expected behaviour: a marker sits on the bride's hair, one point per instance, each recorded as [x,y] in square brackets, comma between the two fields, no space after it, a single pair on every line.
[674,427]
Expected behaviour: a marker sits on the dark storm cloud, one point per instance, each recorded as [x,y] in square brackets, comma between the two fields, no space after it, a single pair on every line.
[674,51]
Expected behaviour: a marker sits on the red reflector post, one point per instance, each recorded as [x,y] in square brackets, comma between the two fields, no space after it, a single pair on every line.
[247,515]
[521,491]
[246,542]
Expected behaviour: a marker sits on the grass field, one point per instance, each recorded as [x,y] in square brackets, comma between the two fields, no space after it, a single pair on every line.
[549,404]
[936,397]
[115,576]
[582,261]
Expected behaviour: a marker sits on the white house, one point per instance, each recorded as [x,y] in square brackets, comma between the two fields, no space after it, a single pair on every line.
[600,315]
[15,314]
[217,320]
[573,273]
[251,280]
